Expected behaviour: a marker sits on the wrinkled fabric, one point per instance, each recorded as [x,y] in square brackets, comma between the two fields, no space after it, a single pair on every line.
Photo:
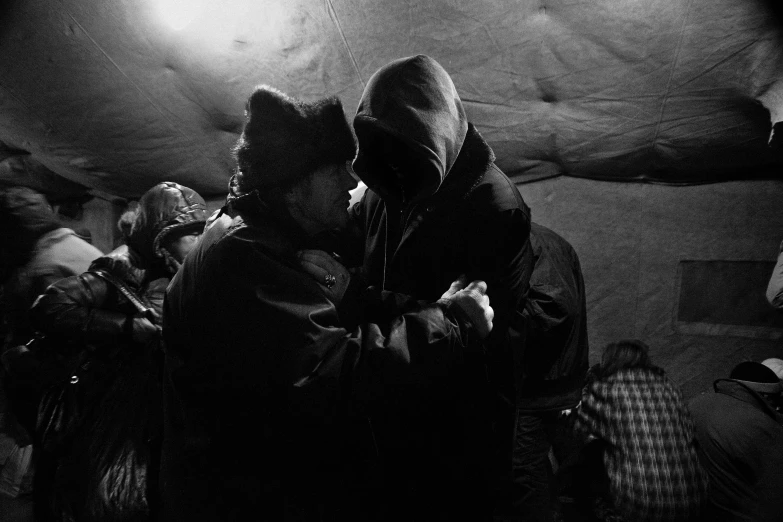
[269,397]
[741,447]
[462,216]
[650,458]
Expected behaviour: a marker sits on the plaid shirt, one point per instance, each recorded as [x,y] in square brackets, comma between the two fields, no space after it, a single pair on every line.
[651,459]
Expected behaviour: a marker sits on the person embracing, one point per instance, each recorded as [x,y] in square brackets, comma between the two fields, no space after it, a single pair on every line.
[277,360]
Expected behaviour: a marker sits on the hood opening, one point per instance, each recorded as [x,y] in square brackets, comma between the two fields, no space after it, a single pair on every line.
[394,167]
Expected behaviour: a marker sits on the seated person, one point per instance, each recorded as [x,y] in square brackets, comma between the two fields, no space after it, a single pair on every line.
[650,453]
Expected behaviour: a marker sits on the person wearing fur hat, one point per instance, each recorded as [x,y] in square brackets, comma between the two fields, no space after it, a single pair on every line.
[274,376]
[436,207]
[740,442]
[88,309]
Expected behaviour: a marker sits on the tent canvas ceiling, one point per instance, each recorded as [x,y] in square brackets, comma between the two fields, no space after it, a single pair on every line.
[118,95]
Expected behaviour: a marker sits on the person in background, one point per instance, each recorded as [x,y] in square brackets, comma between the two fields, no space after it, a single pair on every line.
[275,366]
[436,207]
[775,285]
[740,438]
[553,363]
[37,251]
[640,418]
[119,442]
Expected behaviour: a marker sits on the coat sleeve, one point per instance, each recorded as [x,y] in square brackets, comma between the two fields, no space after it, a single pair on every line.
[269,326]
[74,308]
[399,352]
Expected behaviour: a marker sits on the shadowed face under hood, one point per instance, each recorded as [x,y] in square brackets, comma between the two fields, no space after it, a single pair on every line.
[164,209]
[410,125]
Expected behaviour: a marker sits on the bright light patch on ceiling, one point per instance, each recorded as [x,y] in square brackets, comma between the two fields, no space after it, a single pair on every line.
[179,13]
[219,24]
[210,25]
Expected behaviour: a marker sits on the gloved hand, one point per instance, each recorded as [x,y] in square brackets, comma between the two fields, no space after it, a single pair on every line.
[473,302]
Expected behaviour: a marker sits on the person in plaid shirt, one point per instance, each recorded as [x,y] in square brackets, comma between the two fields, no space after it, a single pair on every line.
[647,432]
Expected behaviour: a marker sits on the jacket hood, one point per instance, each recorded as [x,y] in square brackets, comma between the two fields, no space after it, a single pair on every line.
[164,209]
[414,102]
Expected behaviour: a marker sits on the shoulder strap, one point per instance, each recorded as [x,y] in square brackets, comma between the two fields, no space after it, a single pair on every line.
[129,294]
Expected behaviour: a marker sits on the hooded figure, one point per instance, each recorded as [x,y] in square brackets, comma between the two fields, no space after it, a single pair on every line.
[271,377]
[740,438]
[437,207]
[37,251]
[87,309]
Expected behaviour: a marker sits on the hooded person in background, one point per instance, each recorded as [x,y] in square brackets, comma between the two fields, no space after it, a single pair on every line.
[437,207]
[740,438]
[555,360]
[273,368]
[119,442]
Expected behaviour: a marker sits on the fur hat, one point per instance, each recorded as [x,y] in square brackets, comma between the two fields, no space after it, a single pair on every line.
[285,139]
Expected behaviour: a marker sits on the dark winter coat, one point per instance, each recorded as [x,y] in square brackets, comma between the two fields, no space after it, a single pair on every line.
[554,360]
[126,423]
[270,387]
[463,216]
[650,457]
[741,446]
